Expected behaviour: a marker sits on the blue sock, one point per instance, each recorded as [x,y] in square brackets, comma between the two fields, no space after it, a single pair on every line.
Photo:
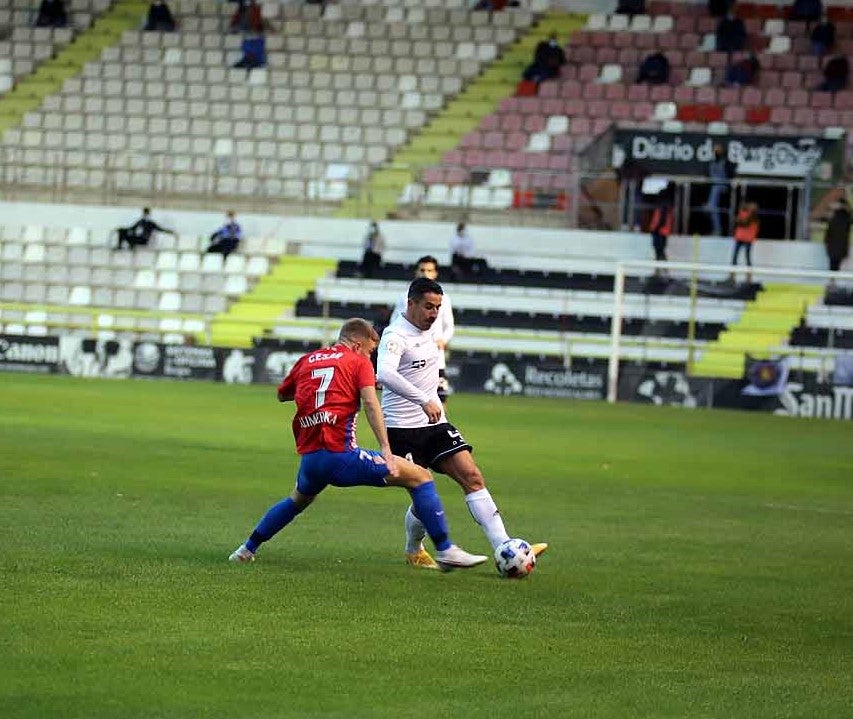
[430,511]
[277,518]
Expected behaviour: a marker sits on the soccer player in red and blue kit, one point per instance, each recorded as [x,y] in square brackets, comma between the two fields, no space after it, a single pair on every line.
[329,386]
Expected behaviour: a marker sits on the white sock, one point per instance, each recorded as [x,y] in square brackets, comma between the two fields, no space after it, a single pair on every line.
[485,513]
[415,532]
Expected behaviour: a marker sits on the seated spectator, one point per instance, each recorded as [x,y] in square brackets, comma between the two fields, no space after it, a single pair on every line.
[463,264]
[807,10]
[743,72]
[720,8]
[495,5]
[374,246]
[226,239]
[160,18]
[836,73]
[254,53]
[731,34]
[52,13]
[631,7]
[822,37]
[247,18]
[140,232]
[548,58]
[654,69]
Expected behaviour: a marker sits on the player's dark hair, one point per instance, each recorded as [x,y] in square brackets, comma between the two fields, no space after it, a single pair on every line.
[421,286]
[426,258]
[357,328]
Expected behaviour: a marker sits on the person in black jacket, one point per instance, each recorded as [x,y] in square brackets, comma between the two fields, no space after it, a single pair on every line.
[836,73]
[654,69]
[807,10]
[548,58]
[822,37]
[631,7]
[731,34]
[160,18]
[719,8]
[140,232]
[52,13]
[837,237]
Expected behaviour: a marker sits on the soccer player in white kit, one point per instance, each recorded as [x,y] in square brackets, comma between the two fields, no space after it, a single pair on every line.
[444,325]
[407,368]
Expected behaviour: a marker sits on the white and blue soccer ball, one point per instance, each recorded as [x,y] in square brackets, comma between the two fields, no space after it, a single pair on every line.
[514,558]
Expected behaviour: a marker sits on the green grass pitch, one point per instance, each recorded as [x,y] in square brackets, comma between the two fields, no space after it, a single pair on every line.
[701,565]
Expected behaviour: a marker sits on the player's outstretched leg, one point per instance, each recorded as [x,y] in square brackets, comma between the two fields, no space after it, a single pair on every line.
[277,518]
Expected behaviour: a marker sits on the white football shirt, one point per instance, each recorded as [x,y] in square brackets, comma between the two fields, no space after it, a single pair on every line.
[443,327]
[407,368]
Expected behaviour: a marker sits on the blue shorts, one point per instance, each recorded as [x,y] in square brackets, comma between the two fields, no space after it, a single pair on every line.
[354,468]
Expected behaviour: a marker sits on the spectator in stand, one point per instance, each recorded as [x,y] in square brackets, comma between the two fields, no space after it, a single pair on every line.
[140,232]
[822,37]
[631,176]
[160,18]
[548,58]
[495,5]
[52,13]
[254,53]
[720,8]
[463,263]
[247,18]
[227,238]
[662,222]
[374,246]
[837,237]
[654,69]
[836,73]
[745,234]
[743,72]
[731,34]
[631,7]
[808,10]
[721,170]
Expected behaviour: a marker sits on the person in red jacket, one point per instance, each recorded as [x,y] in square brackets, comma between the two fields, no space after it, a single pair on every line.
[661,223]
[745,235]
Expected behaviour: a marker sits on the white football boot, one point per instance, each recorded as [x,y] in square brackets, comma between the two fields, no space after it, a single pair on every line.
[241,554]
[454,557]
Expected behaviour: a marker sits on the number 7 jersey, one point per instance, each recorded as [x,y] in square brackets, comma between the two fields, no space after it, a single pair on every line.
[326,385]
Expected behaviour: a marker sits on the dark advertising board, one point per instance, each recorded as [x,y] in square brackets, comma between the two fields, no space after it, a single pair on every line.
[801,397]
[36,355]
[688,153]
[151,359]
[526,378]
[272,364]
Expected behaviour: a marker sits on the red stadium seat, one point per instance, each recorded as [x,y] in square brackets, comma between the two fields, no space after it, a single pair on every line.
[526,88]
[757,115]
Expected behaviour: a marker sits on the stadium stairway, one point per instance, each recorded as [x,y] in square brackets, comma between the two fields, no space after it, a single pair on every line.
[380,193]
[765,324]
[273,297]
[49,76]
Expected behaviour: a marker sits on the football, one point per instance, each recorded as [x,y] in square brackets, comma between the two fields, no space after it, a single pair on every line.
[514,559]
